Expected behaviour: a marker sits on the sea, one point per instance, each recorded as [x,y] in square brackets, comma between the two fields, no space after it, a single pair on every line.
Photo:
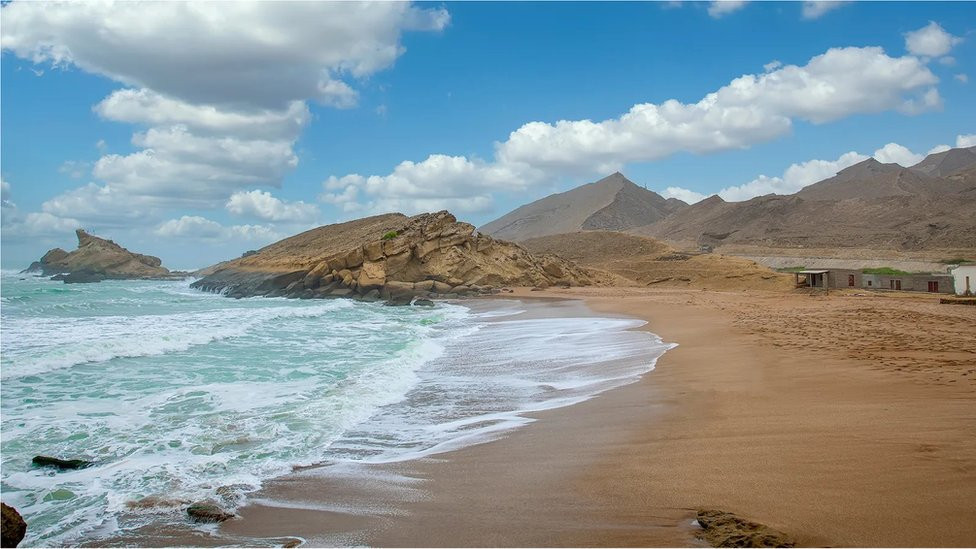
[176,395]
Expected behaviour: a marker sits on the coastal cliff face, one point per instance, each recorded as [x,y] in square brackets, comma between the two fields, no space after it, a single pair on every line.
[390,257]
[97,259]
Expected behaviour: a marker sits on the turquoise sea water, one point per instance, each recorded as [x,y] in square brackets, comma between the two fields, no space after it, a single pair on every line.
[179,395]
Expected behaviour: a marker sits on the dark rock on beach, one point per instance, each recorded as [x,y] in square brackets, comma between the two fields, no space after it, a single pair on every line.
[723,529]
[13,528]
[47,461]
[83,276]
[207,511]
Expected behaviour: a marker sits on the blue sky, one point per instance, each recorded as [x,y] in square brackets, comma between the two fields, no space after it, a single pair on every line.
[196,144]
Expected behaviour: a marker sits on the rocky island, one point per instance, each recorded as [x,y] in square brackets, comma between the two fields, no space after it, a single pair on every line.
[391,257]
[98,259]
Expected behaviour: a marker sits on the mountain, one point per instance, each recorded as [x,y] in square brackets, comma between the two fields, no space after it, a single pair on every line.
[641,261]
[612,203]
[946,163]
[98,259]
[872,179]
[391,257]
[870,204]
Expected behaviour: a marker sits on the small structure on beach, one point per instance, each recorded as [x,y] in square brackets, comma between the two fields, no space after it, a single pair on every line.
[964,279]
[811,278]
[936,283]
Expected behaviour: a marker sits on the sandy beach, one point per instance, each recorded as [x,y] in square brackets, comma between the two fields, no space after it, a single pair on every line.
[841,420]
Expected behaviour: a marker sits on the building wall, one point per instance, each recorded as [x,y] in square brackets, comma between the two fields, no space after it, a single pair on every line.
[839,278]
[959,275]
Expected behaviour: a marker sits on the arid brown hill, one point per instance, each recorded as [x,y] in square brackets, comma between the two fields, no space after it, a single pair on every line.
[390,256]
[613,203]
[868,205]
[947,163]
[644,261]
[98,259]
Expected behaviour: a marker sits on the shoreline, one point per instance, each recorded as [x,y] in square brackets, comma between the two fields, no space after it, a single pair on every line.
[824,447]
[795,428]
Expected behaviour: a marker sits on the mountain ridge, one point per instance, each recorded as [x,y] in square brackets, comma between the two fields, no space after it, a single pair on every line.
[611,203]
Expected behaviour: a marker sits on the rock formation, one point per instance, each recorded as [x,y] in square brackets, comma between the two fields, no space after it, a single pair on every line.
[98,259]
[207,511]
[391,257]
[13,528]
[723,529]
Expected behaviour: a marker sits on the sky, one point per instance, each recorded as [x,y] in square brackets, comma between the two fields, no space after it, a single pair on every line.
[197,131]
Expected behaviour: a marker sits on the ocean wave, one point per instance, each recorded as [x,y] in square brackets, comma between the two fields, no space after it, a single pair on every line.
[33,346]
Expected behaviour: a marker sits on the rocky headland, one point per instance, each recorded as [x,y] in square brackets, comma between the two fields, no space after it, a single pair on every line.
[394,258]
[98,259]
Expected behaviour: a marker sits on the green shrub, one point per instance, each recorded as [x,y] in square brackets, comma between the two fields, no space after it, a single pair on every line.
[884,271]
[389,235]
[955,261]
[791,269]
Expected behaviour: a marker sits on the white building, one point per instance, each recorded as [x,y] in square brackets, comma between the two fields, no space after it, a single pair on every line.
[964,279]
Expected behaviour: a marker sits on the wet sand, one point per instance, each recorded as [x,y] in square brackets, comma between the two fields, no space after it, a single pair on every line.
[840,420]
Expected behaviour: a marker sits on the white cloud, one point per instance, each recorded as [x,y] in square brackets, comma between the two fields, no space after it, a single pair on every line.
[75,169]
[749,110]
[43,223]
[947,60]
[721,8]
[898,154]
[930,41]
[222,86]
[143,106]
[439,182]
[800,175]
[262,205]
[681,193]
[5,195]
[793,179]
[98,204]
[817,8]
[263,54]
[962,77]
[200,228]
[31,225]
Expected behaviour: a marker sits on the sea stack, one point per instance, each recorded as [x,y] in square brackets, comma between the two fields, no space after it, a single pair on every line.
[98,259]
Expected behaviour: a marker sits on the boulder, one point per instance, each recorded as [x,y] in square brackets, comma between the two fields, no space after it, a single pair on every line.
[372,275]
[84,276]
[12,526]
[440,287]
[373,251]
[399,300]
[397,263]
[354,258]
[423,302]
[207,511]
[724,529]
[47,461]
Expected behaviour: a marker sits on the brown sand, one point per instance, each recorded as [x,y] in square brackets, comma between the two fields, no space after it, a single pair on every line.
[839,420]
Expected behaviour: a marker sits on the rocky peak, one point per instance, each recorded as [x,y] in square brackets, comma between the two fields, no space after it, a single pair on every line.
[97,259]
[392,257]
